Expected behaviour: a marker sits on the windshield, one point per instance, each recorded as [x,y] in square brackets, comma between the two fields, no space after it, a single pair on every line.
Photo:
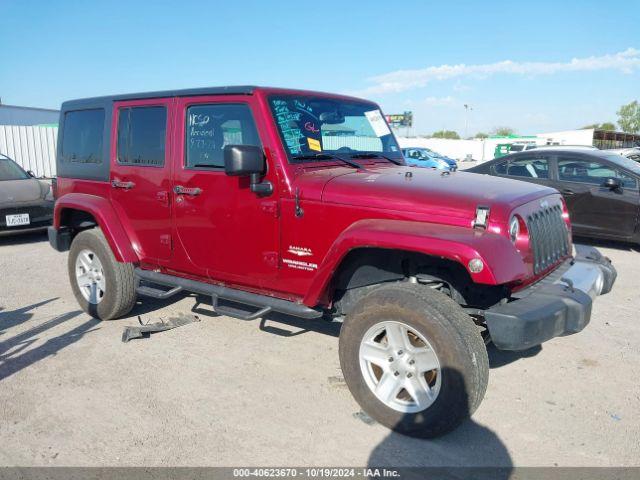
[420,153]
[312,125]
[10,170]
[434,162]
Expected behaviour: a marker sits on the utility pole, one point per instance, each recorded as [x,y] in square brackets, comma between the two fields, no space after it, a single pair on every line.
[466,119]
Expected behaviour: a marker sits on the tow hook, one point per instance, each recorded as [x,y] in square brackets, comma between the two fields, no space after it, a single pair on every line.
[569,283]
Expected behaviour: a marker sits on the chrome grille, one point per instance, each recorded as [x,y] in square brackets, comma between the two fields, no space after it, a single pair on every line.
[548,237]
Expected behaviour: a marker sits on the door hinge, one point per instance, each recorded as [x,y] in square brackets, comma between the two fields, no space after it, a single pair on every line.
[163,198]
[270,258]
[165,239]
[271,208]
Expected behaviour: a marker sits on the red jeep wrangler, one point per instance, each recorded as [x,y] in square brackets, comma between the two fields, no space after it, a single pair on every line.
[274,200]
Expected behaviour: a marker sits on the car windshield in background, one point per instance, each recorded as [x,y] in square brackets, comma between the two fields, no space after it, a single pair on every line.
[9,170]
[314,126]
[421,153]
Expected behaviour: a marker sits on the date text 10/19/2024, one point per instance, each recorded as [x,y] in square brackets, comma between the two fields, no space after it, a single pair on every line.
[316,472]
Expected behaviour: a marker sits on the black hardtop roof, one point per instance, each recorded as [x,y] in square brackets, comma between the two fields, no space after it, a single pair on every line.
[95,101]
[101,102]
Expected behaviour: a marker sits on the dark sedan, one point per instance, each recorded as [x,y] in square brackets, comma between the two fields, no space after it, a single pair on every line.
[600,188]
[26,204]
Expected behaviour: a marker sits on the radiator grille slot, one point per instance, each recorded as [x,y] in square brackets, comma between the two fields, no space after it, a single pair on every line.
[548,236]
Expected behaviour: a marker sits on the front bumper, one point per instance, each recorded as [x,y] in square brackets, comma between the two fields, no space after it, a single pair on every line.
[557,305]
[40,217]
[59,238]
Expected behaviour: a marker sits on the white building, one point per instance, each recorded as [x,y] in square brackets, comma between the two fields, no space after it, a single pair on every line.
[483,150]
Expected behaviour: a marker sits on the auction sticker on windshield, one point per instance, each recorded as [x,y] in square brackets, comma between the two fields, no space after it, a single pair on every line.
[376,120]
[314,144]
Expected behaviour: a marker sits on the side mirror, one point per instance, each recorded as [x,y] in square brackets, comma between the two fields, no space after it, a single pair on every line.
[247,160]
[612,183]
[31,174]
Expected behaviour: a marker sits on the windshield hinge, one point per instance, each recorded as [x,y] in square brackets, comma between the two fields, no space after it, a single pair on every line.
[299,210]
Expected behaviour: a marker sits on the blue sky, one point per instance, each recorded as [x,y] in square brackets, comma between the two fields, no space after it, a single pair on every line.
[53,51]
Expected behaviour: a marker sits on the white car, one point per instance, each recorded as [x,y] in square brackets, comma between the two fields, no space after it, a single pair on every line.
[521,147]
[631,153]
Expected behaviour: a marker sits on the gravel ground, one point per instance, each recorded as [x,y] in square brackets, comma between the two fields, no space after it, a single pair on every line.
[231,392]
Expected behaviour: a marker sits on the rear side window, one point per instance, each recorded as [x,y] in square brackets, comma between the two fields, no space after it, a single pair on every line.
[211,127]
[82,136]
[529,168]
[142,136]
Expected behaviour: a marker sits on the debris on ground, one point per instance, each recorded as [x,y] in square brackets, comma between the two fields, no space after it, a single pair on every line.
[364,417]
[145,329]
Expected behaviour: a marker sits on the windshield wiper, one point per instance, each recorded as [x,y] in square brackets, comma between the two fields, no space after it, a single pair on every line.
[366,155]
[328,156]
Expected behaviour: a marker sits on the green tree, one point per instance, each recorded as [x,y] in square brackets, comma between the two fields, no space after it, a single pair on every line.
[446,134]
[629,117]
[601,126]
[482,135]
[503,131]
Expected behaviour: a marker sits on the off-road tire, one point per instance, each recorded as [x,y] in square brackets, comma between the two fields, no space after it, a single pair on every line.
[120,292]
[455,338]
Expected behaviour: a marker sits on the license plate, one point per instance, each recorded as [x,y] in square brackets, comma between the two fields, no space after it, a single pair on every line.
[16,220]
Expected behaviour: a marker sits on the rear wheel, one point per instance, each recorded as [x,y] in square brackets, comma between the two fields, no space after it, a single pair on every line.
[413,360]
[104,287]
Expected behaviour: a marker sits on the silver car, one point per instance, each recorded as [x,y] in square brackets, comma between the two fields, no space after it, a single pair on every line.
[26,203]
[632,153]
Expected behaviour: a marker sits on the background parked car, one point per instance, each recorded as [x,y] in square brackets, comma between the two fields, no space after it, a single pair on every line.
[521,147]
[631,153]
[599,187]
[452,162]
[503,149]
[427,158]
[26,203]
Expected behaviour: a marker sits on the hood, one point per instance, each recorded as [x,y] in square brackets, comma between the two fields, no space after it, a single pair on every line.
[455,194]
[21,191]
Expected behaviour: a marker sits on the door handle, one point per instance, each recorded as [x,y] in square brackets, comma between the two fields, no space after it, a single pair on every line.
[566,191]
[193,192]
[123,185]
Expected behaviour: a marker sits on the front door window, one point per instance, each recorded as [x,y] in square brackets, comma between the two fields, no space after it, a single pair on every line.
[210,128]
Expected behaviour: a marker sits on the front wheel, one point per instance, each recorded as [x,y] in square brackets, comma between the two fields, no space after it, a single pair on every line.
[413,360]
[103,287]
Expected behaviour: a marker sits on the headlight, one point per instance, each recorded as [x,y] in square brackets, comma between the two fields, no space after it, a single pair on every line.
[49,195]
[514,229]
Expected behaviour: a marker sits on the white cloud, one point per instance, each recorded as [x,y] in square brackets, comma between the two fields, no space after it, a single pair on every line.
[402,80]
[461,87]
[439,101]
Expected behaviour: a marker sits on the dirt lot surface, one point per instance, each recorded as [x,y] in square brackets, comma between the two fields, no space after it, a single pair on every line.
[231,392]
